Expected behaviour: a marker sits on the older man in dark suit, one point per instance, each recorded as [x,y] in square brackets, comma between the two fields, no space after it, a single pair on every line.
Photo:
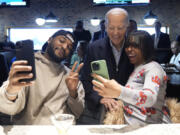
[110,49]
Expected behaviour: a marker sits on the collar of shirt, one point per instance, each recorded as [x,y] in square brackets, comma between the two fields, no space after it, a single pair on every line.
[116,53]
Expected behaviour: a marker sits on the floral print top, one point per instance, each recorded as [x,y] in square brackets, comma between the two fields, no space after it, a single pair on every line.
[144,95]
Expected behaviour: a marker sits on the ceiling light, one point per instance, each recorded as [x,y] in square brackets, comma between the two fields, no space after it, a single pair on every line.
[150,18]
[95,21]
[40,21]
[51,18]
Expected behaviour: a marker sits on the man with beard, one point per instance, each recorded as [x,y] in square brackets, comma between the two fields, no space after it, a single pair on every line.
[55,90]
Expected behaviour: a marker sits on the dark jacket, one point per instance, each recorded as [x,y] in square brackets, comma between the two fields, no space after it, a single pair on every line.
[163,56]
[164,40]
[99,50]
[98,35]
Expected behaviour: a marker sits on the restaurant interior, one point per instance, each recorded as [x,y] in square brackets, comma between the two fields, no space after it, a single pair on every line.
[37,20]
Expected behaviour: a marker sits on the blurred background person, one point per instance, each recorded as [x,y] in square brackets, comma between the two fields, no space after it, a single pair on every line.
[132,26]
[80,33]
[101,33]
[161,44]
[79,54]
[174,78]
[178,38]
[175,59]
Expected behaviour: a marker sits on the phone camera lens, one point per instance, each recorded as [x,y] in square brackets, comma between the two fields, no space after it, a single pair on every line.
[95,66]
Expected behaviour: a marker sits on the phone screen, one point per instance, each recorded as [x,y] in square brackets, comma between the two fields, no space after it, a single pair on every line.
[100,67]
[25,51]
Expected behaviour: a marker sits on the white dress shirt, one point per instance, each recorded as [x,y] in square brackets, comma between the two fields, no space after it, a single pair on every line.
[117,53]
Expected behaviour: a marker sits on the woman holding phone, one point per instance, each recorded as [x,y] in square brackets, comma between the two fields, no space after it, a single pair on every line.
[144,94]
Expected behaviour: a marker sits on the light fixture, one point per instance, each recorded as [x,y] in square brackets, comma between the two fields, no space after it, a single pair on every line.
[40,21]
[150,18]
[51,18]
[95,21]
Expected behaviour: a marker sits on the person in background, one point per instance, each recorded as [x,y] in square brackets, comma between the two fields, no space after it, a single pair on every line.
[79,53]
[178,38]
[175,59]
[132,26]
[7,46]
[1,46]
[80,33]
[161,45]
[111,49]
[144,93]
[101,33]
[174,78]
[55,90]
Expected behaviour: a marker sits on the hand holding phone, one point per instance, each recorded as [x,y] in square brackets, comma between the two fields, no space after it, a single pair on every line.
[100,67]
[25,51]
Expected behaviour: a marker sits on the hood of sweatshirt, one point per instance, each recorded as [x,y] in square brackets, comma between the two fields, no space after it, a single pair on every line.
[56,67]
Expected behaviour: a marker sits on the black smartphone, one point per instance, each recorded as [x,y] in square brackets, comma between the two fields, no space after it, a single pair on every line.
[100,67]
[25,51]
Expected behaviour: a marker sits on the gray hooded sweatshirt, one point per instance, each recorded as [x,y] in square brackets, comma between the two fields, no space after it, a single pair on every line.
[47,96]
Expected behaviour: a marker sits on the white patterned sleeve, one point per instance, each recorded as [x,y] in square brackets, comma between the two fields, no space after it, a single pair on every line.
[147,95]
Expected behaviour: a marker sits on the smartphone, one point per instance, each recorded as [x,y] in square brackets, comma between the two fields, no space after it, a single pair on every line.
[100,67]
[25,51]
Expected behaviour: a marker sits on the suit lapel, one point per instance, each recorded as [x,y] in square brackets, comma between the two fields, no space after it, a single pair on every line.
[109,56]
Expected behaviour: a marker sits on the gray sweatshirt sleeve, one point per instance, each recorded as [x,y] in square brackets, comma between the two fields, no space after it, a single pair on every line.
[77,105]
[11,107]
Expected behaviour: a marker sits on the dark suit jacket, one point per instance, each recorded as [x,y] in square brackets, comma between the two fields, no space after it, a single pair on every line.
[99,50]
[164,42]
[97,35]
[82,35]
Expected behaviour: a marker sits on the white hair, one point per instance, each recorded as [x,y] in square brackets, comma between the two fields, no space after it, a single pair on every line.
[117,11]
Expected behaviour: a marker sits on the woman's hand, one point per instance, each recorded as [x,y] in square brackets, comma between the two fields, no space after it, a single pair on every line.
[73,79]
[106,88]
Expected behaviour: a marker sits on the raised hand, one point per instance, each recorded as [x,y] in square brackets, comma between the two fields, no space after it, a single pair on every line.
[73,79]
[106,88]
[15,85]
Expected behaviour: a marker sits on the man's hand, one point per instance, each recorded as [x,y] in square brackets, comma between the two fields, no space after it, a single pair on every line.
[15,85]
[73,79]
[110,104]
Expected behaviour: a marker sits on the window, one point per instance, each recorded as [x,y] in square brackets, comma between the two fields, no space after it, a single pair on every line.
[151,29]
[38,35]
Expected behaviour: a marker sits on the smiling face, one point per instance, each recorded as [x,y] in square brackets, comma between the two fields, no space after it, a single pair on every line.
[135,55]
[116,27]
[139,47]
[59,48]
